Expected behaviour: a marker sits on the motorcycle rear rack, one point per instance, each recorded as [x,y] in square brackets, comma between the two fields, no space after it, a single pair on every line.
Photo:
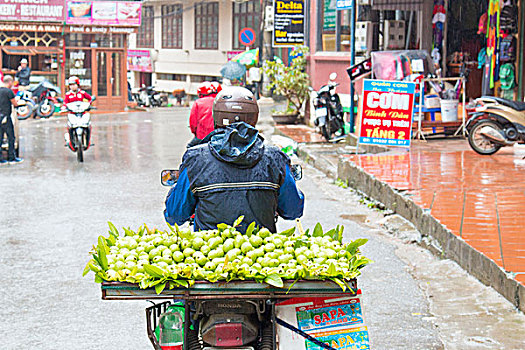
[152,320]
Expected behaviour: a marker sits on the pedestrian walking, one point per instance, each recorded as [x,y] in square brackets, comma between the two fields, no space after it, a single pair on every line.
[7,101]
[23,75]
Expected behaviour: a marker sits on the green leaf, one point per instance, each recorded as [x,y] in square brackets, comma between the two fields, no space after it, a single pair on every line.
[307,233]
[222,227]
[353,247]
[318,230]
[102,258]
[238,221]
[274,280]
[300,243]
[160,287]
[331,270]
[153,271]
[182,283]
[86,269]
[294,282]
[250,229]
[98,279]
[112,229]
[340,283]
[288,232]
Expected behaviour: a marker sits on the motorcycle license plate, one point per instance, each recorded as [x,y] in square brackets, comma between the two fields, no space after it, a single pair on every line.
[321,112]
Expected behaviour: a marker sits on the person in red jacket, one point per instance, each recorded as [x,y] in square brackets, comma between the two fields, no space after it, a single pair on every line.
[75,93]
[201,118]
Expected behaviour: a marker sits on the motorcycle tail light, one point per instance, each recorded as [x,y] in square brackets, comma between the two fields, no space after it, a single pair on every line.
[226,334]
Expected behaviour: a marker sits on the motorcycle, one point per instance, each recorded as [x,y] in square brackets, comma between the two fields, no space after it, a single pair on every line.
[225,323]
[494,123]
[40,100]
[78,135]
[329,115]
[26,105]
[147,96]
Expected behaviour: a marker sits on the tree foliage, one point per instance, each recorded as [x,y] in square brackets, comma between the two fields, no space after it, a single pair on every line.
[291,81]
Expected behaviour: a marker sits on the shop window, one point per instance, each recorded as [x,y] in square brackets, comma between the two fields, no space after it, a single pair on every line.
[245,15]
[95,40]
[202,78]
[78,63]
[207,26]
[145,35]
[169,76]
[331,27]
[172,26]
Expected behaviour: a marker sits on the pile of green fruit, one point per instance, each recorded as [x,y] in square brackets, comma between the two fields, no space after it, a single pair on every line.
[179,257]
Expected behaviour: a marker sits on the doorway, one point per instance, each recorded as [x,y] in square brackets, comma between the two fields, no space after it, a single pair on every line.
[111,83]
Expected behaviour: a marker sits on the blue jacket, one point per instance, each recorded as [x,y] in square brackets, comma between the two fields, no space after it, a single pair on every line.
[234,174]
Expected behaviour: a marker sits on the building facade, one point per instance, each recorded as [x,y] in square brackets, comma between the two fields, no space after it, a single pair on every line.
[61,38]
[184,43]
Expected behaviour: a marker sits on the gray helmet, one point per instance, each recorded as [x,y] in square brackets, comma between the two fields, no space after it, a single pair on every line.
[235,104]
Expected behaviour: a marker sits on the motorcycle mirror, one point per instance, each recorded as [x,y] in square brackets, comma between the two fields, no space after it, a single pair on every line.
[297,172]
[333,76]
[169,177]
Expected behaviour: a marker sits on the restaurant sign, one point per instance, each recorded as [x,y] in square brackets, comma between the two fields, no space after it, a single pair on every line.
[32,10]
[112,13]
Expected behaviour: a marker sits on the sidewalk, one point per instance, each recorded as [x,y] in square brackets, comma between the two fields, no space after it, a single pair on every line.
[471,199]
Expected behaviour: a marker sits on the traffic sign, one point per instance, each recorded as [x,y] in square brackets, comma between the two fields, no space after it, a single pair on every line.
[247,36]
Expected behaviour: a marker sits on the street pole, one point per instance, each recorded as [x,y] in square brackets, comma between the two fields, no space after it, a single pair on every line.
[352,62]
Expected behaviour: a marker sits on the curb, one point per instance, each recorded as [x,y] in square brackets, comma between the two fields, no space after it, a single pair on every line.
[443,242]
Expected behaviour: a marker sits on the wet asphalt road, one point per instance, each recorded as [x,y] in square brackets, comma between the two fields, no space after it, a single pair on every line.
[53,209]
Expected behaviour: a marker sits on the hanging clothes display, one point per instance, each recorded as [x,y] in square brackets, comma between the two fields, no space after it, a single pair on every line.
[493,33]
[438,23]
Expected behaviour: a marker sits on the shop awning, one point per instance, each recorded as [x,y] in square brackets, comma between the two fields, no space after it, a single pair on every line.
[403,5]
[45,50]
[18,51]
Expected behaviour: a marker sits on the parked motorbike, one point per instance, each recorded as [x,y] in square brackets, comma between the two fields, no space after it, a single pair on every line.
[78,135]
[147,96]
[45,94]
[26,105]
[494,123]
[227,323]
[40,100]
[329,115]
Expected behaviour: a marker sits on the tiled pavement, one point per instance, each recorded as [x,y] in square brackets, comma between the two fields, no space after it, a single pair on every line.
[480,198]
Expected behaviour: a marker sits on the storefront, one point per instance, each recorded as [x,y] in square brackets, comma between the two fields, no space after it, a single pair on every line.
[94,50]
[486,38]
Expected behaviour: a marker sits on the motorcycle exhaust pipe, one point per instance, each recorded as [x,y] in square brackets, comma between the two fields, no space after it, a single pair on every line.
[495,136]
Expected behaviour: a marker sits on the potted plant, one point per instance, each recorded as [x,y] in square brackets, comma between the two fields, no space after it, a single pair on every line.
[292,82]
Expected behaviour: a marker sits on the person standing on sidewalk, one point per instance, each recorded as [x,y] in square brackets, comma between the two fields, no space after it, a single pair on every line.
[7,101]
[23,75]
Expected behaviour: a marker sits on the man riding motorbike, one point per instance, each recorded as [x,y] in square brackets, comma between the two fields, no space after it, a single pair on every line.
[75,93]
[201,120]
[233,173]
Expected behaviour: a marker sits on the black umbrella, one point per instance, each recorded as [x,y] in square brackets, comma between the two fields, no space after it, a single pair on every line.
[233,70]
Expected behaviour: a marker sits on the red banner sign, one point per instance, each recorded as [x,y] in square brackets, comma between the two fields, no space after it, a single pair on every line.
[386,116]
[32,10]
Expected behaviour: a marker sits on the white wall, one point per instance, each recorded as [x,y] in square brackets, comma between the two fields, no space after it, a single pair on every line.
[188,60]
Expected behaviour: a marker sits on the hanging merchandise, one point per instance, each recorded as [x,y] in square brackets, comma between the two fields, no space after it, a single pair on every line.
[482,26]
[492,41]
[482,57]
[438,22]
[507,49]
[507,77]
[509,18]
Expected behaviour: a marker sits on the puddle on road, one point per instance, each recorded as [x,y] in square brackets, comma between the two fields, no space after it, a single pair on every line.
[359,218]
